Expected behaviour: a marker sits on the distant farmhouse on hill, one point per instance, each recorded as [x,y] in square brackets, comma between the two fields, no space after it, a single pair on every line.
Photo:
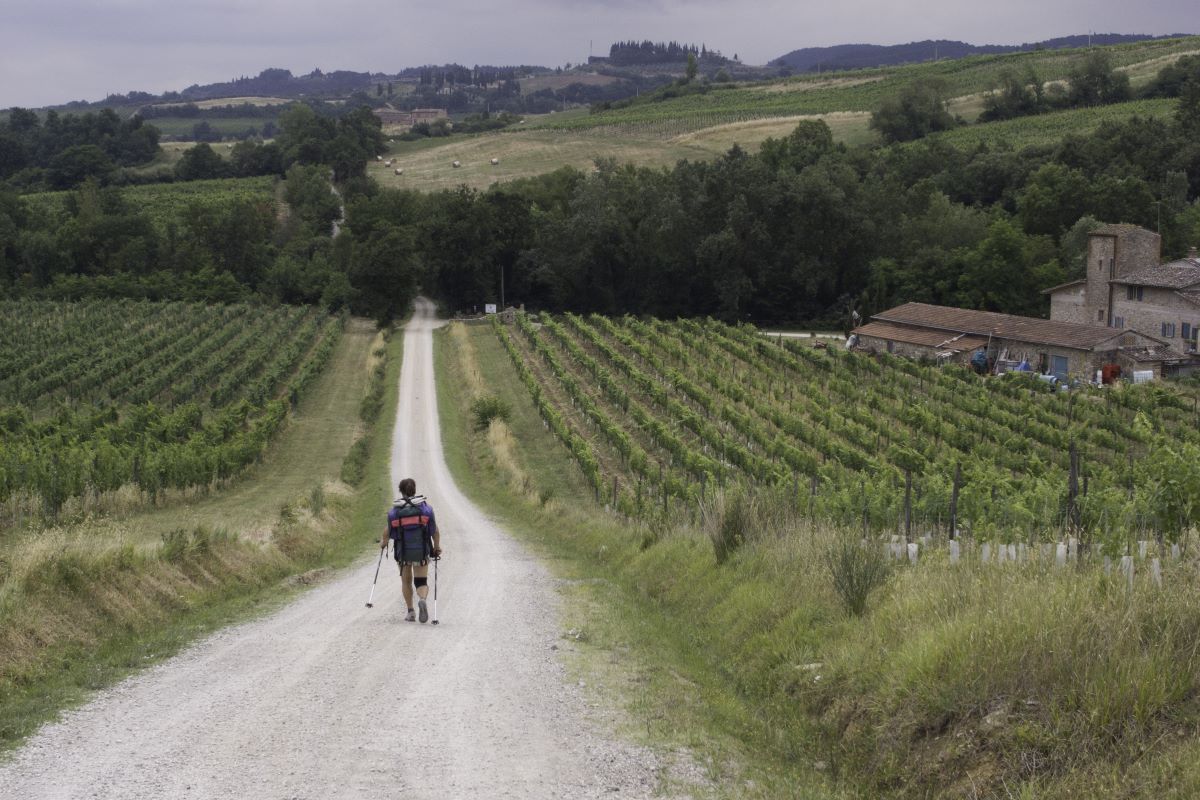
[394,118]
[1131,315]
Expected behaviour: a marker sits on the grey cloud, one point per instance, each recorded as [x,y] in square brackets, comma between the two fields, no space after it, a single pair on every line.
[56,50]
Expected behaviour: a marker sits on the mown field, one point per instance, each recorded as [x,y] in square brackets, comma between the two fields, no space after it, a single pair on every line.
[428,164]
[724,625]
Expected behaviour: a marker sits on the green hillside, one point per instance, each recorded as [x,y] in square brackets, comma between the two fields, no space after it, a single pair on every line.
[704,125]
[864,90]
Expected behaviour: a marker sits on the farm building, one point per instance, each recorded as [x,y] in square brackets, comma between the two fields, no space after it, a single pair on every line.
[1054,347]
[392,118]
[1127,286]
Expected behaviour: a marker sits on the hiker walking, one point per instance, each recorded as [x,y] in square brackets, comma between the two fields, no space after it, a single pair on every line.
[416,539]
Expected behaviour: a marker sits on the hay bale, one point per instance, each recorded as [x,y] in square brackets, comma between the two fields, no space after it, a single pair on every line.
[456,164]
[399,171]
[495,161]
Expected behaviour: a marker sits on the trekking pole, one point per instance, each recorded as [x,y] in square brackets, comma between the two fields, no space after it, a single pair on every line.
[377,565]
[435,563]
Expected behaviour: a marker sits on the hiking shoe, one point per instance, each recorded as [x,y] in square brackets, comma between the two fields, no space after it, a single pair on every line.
[411,616]
[424,612]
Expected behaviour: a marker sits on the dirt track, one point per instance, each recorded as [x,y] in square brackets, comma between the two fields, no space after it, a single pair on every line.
[329,699]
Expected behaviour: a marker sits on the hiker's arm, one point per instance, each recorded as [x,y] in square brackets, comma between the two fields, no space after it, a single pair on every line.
[435,532]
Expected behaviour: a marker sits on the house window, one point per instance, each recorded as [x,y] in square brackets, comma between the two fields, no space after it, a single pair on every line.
[1100,264]
[1186,328]
[1134,292]
[1100,315]
[891,346]
[1118,322]
[1168,330]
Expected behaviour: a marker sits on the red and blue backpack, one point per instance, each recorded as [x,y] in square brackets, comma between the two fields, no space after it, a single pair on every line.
[408,527]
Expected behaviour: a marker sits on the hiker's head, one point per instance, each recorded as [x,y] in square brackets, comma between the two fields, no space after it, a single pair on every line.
[408,487]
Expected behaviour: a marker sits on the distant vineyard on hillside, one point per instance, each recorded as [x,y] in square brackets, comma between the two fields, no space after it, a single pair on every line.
[1052,127]
[660,415]
[99,395]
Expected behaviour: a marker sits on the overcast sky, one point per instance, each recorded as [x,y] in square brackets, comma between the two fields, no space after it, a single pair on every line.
[52,51]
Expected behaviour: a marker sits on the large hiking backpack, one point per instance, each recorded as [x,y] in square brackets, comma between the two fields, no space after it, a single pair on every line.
[408,526]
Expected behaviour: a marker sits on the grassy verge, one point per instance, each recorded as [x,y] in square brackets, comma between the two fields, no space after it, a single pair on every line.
[92,612]
[957,680]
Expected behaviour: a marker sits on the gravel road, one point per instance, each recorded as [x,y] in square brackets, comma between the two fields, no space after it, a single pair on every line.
[328,699]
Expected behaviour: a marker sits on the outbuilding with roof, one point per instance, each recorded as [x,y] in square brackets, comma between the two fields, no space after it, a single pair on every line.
[1053,347]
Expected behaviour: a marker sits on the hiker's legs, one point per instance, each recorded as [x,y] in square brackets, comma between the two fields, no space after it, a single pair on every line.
[406,576]
[421,579]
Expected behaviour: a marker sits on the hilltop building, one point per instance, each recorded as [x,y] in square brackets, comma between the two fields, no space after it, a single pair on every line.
[1054,347]
[1127,286]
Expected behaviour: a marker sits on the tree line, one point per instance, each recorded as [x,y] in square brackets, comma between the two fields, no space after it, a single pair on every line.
[62,150]
[648,52]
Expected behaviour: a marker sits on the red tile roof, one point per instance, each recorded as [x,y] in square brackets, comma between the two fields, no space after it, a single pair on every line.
[1004,326]
[1175,275]
[1120,228]
[922,336]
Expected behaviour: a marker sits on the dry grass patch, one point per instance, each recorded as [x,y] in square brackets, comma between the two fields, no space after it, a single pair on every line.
[1143,71]
[523,154]
[851,127]
[810,85]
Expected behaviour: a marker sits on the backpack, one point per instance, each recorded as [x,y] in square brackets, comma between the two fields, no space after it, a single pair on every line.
[408,527]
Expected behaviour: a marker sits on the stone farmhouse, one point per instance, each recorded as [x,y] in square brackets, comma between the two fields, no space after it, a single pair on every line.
[1131,315]
[1127,286]
[1051,347]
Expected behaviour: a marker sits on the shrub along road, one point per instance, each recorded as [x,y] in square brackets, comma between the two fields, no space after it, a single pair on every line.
[327,698]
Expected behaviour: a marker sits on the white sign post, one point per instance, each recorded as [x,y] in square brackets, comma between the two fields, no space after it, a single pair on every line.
[489,308]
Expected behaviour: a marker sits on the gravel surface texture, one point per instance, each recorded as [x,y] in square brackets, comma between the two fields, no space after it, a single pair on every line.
[329,699]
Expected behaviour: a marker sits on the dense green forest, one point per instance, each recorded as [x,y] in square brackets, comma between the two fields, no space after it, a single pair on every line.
[799,232]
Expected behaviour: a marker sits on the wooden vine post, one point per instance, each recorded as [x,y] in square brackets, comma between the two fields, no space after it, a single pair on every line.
[954,501]
[907,506]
